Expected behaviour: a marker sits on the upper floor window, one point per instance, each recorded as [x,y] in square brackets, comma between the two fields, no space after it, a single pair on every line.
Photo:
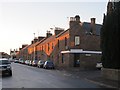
[52,45]
[65,41]
[48,46]
[77,40]
[58,43]
[42,48]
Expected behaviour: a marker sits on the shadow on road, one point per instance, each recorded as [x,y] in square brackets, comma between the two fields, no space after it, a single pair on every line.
[4,76]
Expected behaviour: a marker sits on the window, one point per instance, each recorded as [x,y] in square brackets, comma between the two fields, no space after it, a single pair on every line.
[48,46]
[52,45]
[42,48]
[65,41]
[52,56]
[77,40]
[58,43]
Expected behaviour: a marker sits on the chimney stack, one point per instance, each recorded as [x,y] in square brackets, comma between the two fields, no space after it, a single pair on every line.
[77,18]
[35,40]
[19,49]
[40,38]
[74,21]
[92,20]
[24,45]
[93,26]
[32,42]
[58,30]
[48,34]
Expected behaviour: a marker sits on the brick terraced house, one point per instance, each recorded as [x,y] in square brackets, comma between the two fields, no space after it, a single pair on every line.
[78,46]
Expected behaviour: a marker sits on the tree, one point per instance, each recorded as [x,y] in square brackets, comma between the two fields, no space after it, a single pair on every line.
[110,38]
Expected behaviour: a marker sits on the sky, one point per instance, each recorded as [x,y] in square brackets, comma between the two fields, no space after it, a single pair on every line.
[20,19]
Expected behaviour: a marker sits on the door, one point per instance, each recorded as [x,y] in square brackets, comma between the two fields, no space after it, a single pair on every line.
[76,60]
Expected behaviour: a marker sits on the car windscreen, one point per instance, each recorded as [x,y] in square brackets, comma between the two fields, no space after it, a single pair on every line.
[41,61]
[50,63]
[4,62]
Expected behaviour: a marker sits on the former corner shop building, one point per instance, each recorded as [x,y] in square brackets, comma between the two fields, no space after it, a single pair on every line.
[80,43]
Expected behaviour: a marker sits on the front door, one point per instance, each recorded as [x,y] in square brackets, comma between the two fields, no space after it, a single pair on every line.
[76,60]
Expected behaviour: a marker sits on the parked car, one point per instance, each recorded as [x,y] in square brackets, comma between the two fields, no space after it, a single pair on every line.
[27,62]
[20,60]
[16,61]
[5,67]
[34,63]
[40,63]
[11,60]
[99,65]
[48,64]
[30,63]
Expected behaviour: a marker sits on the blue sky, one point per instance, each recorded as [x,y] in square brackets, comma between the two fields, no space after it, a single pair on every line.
[19,20]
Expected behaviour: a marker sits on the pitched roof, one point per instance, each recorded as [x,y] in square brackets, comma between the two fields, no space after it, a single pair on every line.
[87,26]
[25,47]
[51,38]
[64,32]
[38,42]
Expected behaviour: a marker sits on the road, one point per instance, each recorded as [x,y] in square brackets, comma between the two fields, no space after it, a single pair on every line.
[32,77]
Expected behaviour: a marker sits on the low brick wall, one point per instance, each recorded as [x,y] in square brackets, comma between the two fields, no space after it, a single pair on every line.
[112,74]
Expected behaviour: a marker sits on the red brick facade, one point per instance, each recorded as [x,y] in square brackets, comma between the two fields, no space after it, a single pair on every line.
[83,36]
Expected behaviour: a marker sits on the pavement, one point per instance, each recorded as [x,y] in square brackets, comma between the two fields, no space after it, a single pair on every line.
[105,82]
[93,76]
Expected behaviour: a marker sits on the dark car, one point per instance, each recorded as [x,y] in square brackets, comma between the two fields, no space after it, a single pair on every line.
[5,67]
[48,65]
[40,63]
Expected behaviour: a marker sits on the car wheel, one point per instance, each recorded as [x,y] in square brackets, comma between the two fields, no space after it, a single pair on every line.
[99,68]
[10,73]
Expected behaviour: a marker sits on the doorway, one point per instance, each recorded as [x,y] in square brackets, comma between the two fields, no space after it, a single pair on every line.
[76,60]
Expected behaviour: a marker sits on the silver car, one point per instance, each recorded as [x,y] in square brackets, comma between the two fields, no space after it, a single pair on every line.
[40,64]
[5,67]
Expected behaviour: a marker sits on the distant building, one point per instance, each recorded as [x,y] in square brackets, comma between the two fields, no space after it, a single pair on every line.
[13,54]
[4,55]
